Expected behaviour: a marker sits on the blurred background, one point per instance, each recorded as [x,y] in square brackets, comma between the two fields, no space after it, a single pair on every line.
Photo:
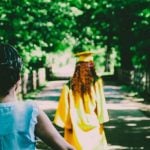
[45,33]
[44,29]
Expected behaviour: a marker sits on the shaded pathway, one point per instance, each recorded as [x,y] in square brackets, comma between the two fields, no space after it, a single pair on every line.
[128,128]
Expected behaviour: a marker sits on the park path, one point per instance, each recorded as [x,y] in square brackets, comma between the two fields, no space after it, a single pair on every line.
[129,125]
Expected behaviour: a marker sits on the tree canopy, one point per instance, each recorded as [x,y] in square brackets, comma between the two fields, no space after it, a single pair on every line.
[53,25]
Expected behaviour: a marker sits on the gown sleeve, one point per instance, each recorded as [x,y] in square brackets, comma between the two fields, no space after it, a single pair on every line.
[62,116]
[101,109]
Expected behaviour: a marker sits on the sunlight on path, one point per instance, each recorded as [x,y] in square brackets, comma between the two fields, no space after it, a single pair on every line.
[128,127]
[48,98]
[47,105]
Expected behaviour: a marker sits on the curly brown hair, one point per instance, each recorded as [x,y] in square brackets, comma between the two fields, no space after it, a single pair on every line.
[84,76]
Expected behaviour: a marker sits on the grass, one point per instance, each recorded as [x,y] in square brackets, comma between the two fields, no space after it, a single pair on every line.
[33,94]
[132,92]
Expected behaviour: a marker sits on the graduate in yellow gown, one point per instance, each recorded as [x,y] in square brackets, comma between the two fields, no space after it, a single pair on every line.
[82,108]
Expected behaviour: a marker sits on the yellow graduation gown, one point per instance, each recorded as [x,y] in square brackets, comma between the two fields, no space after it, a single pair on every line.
[81,123]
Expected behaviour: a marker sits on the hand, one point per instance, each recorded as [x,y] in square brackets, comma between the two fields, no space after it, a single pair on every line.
[71,148]
[101,128]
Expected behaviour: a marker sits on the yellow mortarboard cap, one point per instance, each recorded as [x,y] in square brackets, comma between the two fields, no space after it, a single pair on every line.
[85,56]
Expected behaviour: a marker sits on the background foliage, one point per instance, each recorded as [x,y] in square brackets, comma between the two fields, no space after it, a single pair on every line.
[39,27]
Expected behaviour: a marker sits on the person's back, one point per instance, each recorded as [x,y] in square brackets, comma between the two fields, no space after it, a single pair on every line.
[82,108]
[17,121]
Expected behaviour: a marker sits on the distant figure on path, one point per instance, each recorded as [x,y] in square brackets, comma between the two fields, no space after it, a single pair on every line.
[82,109]
[21,122]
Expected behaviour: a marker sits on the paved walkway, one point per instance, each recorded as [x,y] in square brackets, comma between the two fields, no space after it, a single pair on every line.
[129,125]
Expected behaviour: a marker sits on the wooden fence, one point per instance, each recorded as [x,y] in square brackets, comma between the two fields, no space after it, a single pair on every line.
[31,81]
[138,79]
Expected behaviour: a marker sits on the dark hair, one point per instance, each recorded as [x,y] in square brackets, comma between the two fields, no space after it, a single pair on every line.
[10,67]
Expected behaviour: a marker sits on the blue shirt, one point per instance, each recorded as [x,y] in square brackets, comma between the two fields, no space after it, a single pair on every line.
[17,125]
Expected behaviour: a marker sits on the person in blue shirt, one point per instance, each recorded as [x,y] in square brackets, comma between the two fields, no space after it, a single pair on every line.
[21,122]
